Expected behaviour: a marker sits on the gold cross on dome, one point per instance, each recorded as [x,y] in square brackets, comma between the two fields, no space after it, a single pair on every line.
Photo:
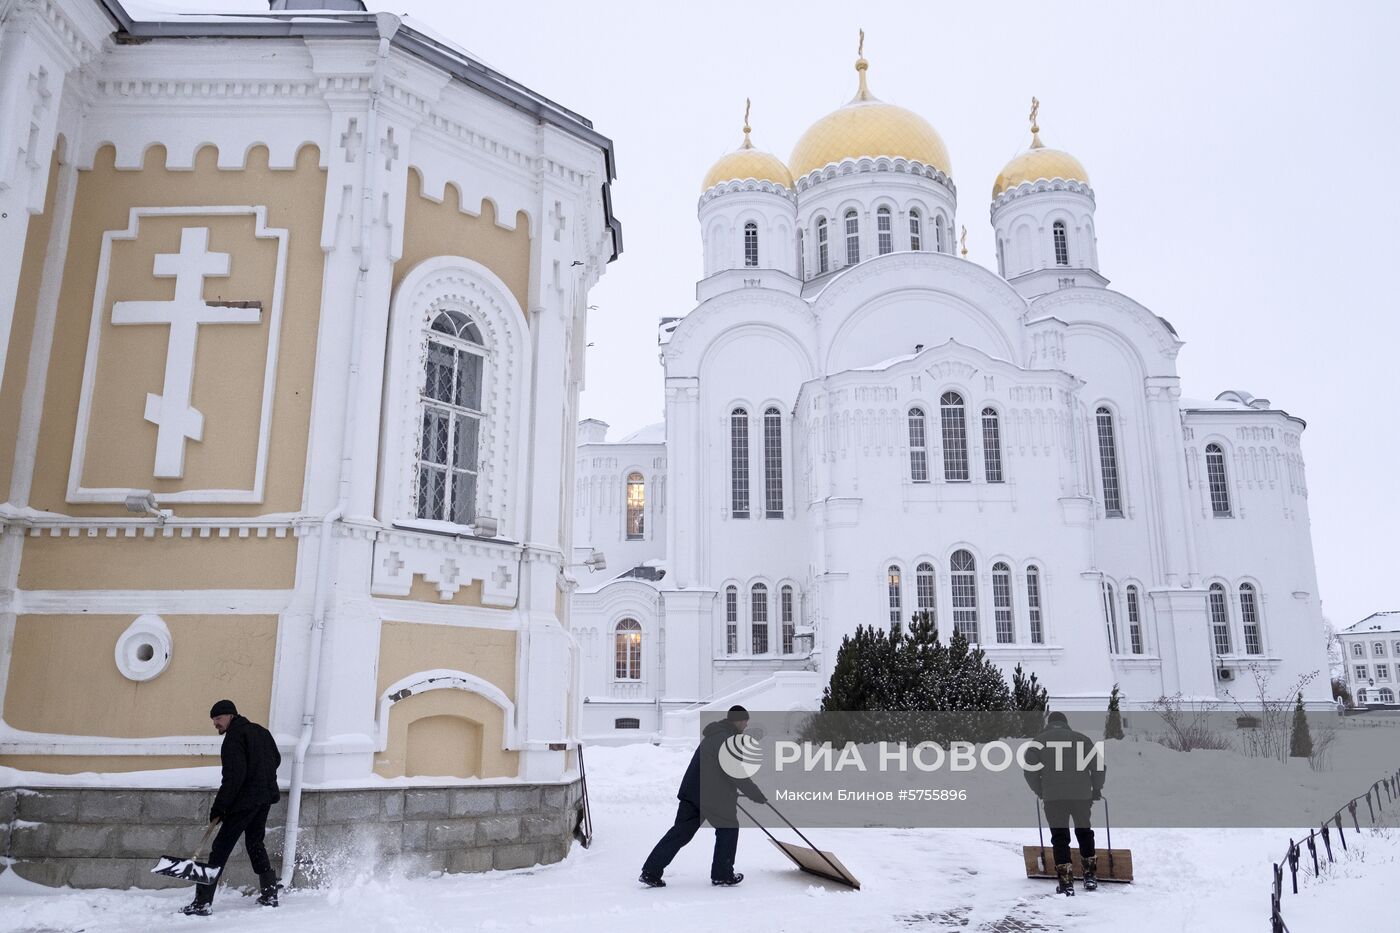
[1035,109]
[963,240]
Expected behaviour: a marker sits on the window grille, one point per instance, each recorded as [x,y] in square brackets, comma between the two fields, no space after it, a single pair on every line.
[739,463]
[1110,616]
[628,653]
[896,603]
[963,569]
[884,231]
[731,620]
[1108,465]
[823,249]
[636,506]
[954,424]
[773,463]
[1001,604]
[926,591]
[916,231]
[751,244]
[991,445]
[1033,602]
[852,238]
[1061,243]
[1134,620]
[449,450]
[788,618]
[918,446]
[1219,618]
[1249,615]
[758,617]
[1219,486]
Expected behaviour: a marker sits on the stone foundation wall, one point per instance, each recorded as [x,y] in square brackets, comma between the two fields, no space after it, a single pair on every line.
[110,838]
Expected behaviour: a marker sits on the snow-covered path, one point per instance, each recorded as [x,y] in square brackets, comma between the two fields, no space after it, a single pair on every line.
[919,880]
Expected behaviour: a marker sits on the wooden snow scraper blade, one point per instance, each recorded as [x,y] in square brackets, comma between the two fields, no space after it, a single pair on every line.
[812,860]
[190,869]
[1110,864]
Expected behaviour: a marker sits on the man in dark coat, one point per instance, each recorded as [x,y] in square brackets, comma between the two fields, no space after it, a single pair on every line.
[1069,780]
[708,792]
[248,790]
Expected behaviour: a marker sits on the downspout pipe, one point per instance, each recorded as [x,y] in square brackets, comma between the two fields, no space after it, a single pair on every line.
[387,25]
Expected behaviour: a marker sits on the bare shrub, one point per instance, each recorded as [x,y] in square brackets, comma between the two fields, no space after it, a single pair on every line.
[1271,736]
[1188,725]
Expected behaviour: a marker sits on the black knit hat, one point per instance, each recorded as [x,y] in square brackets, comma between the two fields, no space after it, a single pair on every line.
[737,714]
[223,708]
[1057,719]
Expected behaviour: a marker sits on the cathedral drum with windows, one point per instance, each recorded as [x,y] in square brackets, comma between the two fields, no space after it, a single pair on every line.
[862,425]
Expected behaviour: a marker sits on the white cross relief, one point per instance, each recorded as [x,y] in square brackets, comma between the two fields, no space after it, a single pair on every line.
[175,419]
[502,576]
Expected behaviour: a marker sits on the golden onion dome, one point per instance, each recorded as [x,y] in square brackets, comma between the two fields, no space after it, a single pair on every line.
[746,162]
[869,127]
[1038,162]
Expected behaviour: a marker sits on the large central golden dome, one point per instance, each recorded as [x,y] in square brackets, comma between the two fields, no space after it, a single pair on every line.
[869,127]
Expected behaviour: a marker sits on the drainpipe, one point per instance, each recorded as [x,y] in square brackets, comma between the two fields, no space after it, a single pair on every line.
[387,25]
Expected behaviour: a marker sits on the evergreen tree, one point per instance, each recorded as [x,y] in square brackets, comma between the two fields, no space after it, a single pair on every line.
[1301,746]
[1030,701]
[1113,722]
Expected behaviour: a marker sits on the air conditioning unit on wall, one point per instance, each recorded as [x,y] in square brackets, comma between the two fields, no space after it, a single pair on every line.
[1224,673]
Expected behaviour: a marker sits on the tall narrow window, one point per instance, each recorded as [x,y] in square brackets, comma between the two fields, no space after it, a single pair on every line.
[1219,486]
[884,229]
[823,248]
[636,506]
[802,253]
[938,233]
[916,231]
[751,244]
[1108,465]
[627,650]
[731,620]
[449,449]
[1033,603]
[963,575]
[1219,619]
[852,238]
[954,423]
[1249,615]
[893,584]
[926,591]
[1110,616]
[773,463]
[1001,604]
[1134,620]
[739,463]
[1061,243]
[758,617]
[918,446]
[788,618]
[991,445]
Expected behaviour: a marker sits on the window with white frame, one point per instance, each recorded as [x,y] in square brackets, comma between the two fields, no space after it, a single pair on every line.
[893,589]
[823,247]
[1385,695]
[751,244]
[627,651]
[1108,464]
[636,506]
[1360,671]
[991,445]
[731,620]
[758,617]
[963,576]
[773,463]
[918,446]
[852,238]
[916,230]
[449,447]
[953,420]
[1110,616]
[1396,649]
[1358,650]
[1219,618]
[1249,616]
[788,618]
[1378,649]
[884,231]
[739,463]
[1219,486]
[926,591]
[938,233]
[1034,605]
[1001,604]
[1130,593]
[1382,671]
[1061,243]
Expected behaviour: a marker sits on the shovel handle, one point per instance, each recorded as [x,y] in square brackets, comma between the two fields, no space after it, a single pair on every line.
[204,840]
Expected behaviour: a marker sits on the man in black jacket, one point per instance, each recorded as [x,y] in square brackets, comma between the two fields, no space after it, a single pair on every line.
[708,792]
[248,790]
[1069,780]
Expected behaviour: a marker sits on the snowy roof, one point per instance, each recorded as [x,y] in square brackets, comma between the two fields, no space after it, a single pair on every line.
[1200,404]
[1388,621]
[651,434]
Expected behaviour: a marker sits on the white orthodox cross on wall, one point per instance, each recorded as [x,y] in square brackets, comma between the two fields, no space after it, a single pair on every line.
[170,411]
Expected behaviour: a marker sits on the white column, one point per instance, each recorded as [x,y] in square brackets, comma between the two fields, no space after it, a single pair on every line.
[1172,500]
[684,455]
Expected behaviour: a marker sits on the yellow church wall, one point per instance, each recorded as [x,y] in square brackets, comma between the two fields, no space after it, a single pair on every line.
[440,228]
[157,563]
[83,764]
[408,647]
[63,677]
[423,591]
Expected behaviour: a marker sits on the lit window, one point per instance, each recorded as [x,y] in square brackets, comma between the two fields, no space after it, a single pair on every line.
[896,602]
[852,238]
[963,569]
[758,617]
[916,231]
[926,591]
[1219,488]
[918,446]
[1061,243]
[1249,615]
[884,231]
[1219,619]
[1110,616]
[773,463]
[449,449]
[731,620]
[628,650]
[1134,620]
[739,463]
[1108,465]
[954,423]
[751,244]
[823,250]
[991,445]
[1033,601]
[1001,604]
[636,506]
[788,618]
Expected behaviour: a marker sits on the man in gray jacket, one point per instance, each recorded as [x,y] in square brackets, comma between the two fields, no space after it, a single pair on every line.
[1069,779]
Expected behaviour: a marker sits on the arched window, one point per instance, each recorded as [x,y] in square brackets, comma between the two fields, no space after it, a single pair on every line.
[1249,615]
[1001,257]
[954,423]
[823,248]
[1134,619]
[1378,649]
[892,581]
[1033,604]
[1219,618]
[1219,486]
[449,449]
[731,620]
[963,568]
[1385,695]
[1001,604]
[938,233]
[773,463]
[788,617]
[739,463]
[758,617]
[884,231]
[852,238]
[751,244]
[1110,616]
[991,445]
[1108,465]
[627,651]
[1061,243]
[926,591]
[636,506]
[918,446]
[1358,650]
[916,230]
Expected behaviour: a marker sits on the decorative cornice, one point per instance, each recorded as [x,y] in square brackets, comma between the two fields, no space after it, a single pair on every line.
[747,184]
[1040,186]
[879,164]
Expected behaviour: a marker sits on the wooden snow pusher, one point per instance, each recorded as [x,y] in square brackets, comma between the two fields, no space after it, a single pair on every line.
[812,860]
[1112,864]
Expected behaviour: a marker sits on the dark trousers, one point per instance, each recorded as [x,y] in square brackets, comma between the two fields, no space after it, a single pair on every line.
[1058,813]
[252,826]
[688,820]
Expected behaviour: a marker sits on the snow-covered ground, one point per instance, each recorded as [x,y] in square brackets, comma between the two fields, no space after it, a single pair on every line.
[920,880]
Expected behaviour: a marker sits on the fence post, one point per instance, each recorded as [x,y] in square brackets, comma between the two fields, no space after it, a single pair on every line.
[1341,834]
[1276,897]
[1327,842]
[1312,850]
[1351,808]
[1370,808]
[1293,863]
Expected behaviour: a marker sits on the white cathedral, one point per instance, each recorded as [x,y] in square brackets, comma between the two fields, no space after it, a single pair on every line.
[861,425]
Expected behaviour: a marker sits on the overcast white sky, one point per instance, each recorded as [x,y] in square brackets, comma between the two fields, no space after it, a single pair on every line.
[1243,156]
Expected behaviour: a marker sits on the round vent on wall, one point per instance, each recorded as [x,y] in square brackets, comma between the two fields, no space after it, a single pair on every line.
[143,650]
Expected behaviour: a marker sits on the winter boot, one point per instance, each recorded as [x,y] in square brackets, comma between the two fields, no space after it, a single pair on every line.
[197,908]
[1091,872]
[651,881]
[268,886]
[1065,873]
[733,879]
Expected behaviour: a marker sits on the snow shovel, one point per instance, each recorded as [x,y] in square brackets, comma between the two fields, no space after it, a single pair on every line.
[816,862]
[1113,864]
[190,869]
